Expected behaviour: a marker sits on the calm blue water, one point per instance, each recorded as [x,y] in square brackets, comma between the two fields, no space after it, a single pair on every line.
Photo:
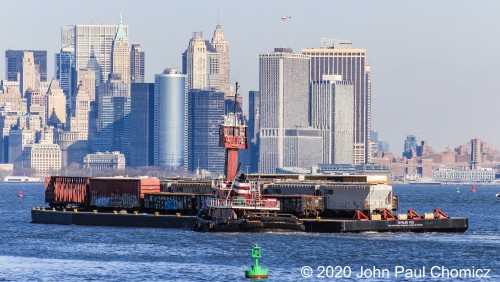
[51,252]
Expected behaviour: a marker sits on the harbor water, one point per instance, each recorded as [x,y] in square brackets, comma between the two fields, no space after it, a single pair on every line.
[40,252]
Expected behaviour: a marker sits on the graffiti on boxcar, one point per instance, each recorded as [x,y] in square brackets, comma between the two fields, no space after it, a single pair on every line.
[116,200]
[171,205]
[100,201]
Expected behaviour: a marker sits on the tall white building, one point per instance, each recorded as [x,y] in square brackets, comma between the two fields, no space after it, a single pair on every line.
[222,47]
[201,63]
[137,64]
[284,103]
[332,112]
[121,54]
[339,57]
[30,75]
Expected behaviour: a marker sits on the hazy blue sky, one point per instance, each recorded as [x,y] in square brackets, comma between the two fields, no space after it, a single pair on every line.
[435,64]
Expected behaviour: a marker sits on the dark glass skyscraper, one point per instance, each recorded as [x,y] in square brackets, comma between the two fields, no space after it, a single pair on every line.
[253,129]
[65,72]
[205,112]
[142,124]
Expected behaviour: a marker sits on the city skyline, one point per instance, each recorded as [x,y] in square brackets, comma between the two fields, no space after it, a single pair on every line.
[424,74]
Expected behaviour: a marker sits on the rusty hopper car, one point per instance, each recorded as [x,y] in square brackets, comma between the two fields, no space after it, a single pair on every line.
[165,202]
[120,192]
[299,205]
[62,191]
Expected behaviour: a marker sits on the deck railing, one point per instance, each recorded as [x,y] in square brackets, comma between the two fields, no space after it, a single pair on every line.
[242,203]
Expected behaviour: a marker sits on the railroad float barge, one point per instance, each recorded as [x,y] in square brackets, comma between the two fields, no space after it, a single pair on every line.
[322,203]
[314,203]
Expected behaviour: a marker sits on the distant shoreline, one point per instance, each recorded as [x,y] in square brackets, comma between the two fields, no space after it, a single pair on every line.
[445,184]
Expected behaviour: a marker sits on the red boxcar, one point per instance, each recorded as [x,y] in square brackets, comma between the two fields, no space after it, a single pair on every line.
[120,192]
[66,190]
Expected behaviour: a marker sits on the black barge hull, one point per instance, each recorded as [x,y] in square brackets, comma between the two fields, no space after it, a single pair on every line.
[311,225]
[412,225]
[111,219]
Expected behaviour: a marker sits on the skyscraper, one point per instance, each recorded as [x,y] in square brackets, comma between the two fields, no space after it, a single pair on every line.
[113,124]
[14,59]
[80,116]
[170,119]
[65,71]
[253,129]
[55,105]
[205,112]
[121,54]
[201,63]
[332,112]
[85,79]
[137,61]
[93,45]
[142,124]
[339,57]
[30,75]
[475,153]
[284,103]
[410,147]
[222,47]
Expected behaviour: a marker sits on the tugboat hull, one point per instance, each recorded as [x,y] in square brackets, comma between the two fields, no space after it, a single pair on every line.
[255,224]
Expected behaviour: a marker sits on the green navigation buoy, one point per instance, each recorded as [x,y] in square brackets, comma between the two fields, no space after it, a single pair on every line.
[458,189]
[256,272]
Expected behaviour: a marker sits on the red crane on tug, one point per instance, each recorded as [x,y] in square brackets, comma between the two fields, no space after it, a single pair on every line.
[232,137]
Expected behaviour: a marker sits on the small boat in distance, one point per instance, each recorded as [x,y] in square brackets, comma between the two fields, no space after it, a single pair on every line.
[498,195]
[22,179]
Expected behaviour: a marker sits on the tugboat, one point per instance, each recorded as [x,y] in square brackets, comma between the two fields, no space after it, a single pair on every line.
[237,205]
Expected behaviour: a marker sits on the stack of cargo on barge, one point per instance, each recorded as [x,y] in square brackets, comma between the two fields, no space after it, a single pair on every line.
[312,201]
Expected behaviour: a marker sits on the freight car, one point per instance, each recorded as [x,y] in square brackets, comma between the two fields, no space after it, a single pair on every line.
[173,203]
[110,192]
[186,186]
[299,205]
[340,198]
[88,193]
[63,191]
